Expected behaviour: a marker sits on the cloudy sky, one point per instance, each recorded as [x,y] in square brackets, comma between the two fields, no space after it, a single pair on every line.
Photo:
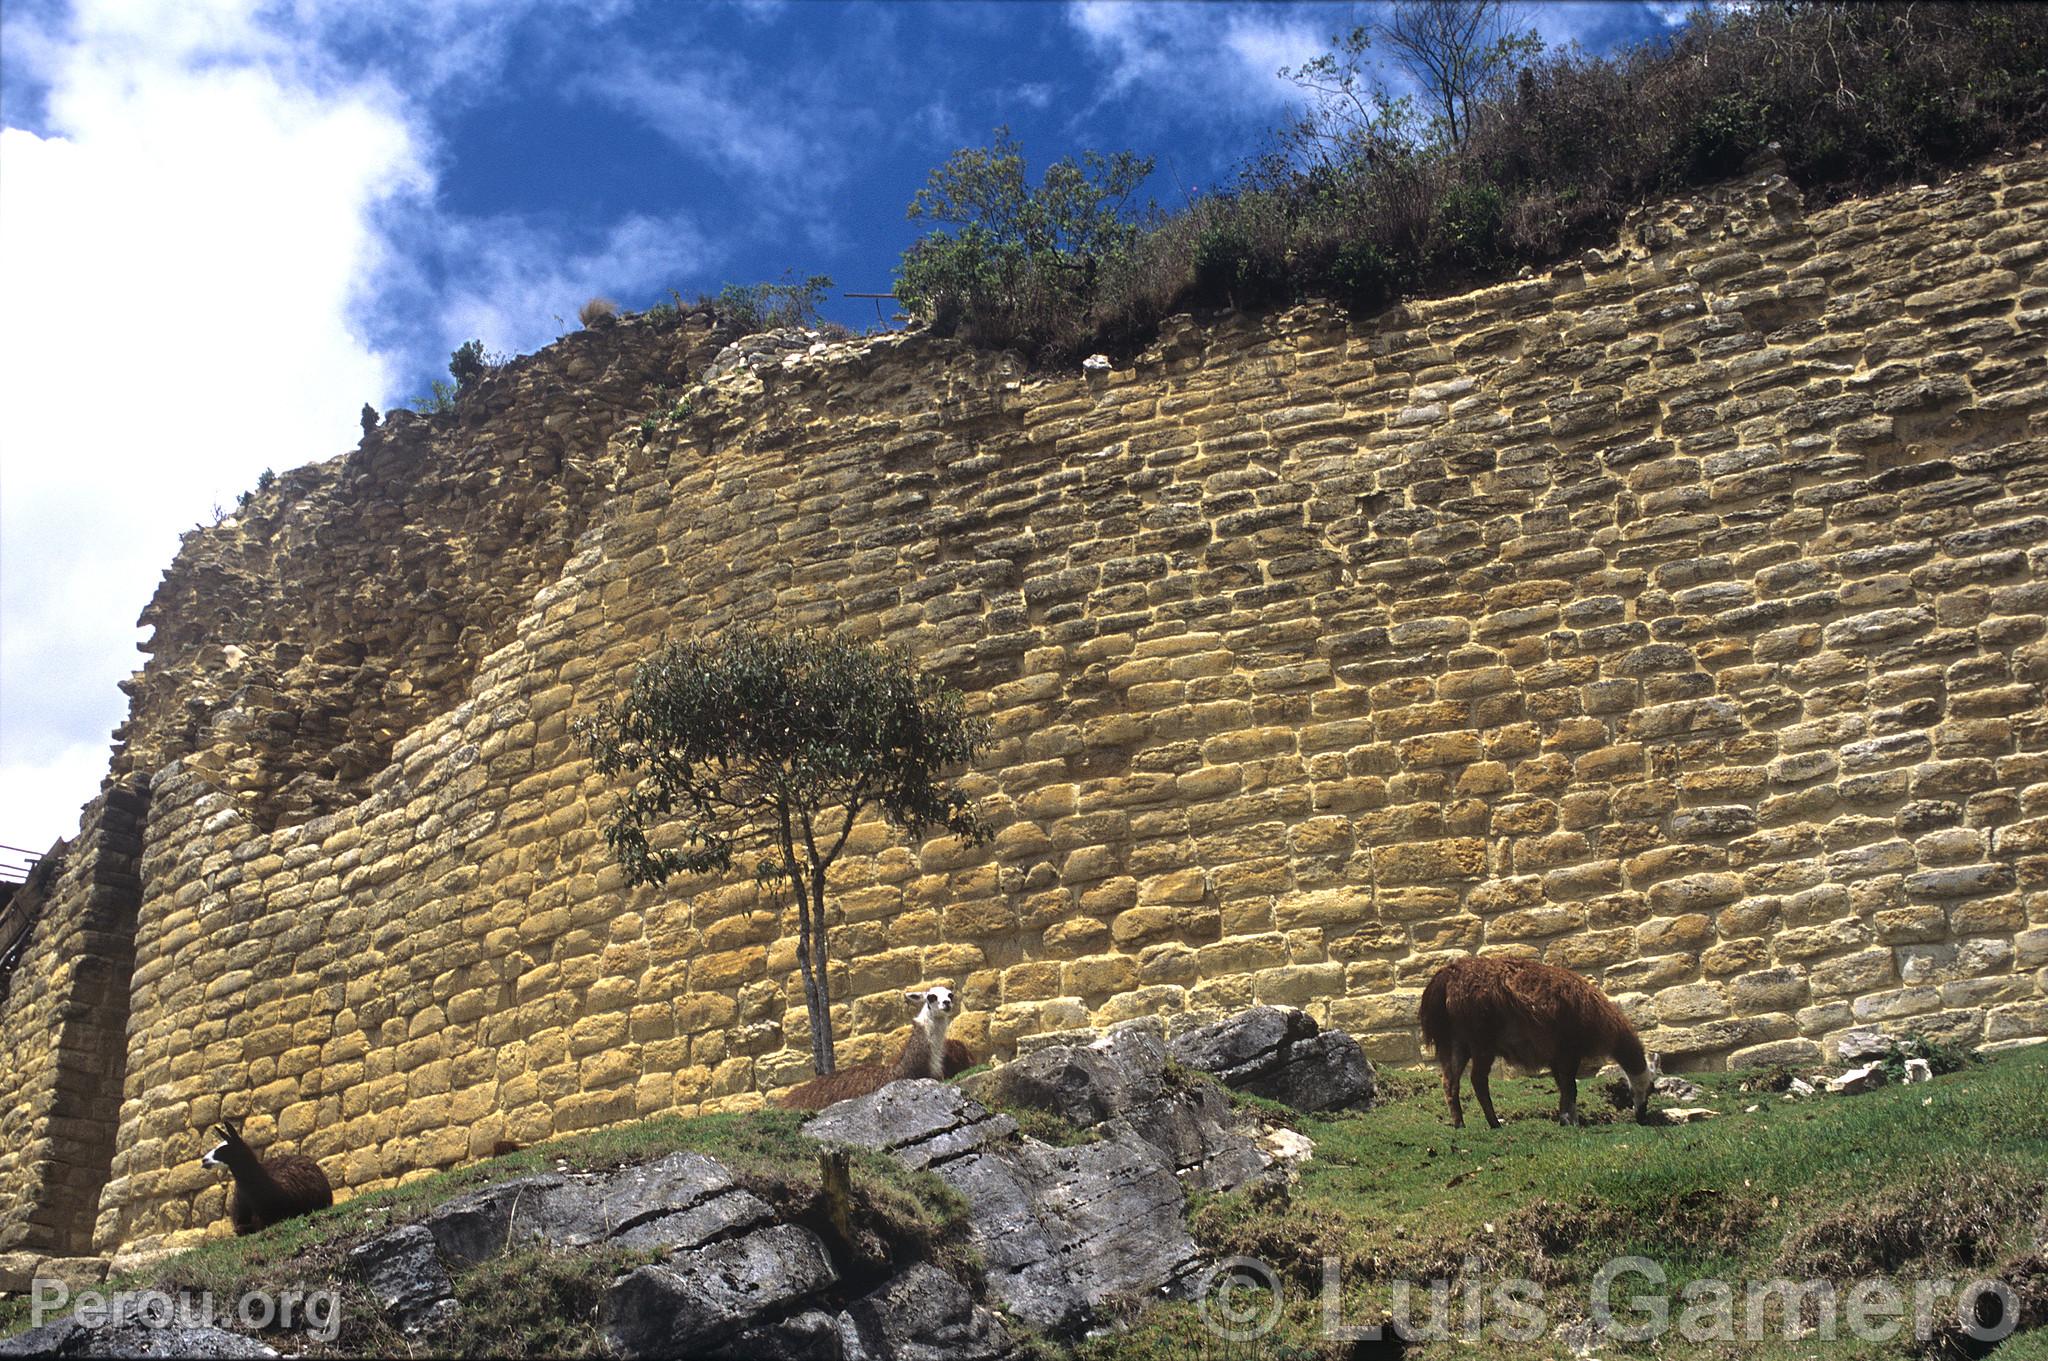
[225,225]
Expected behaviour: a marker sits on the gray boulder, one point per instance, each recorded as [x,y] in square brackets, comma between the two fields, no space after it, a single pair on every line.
[1061,1231]
[69,1337]
[1121,1081]
[922,1315]
[703,1302]
[679,1201]
[403,1272]
[1281,1054]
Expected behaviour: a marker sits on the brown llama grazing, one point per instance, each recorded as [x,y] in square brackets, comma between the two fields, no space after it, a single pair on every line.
[1534,1015]
[927,1053]
[267,1191]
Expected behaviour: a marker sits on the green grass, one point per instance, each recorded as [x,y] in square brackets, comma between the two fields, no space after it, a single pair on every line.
[1944,1178]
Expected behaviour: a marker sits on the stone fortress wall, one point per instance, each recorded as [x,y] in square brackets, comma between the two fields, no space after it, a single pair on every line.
[1676,615]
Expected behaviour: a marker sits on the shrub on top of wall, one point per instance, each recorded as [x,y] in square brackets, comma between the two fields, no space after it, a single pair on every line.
[1548,159]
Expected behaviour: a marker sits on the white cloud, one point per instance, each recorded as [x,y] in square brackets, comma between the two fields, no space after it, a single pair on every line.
[189,232]
[179,252]
[1213,55]
[717,116]
[517,286]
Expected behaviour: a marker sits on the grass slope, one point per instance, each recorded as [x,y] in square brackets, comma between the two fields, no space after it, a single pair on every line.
[1941,1179]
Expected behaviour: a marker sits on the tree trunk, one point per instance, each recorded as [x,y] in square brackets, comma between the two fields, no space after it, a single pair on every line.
[820,1062]
[809,957]
[821,1022]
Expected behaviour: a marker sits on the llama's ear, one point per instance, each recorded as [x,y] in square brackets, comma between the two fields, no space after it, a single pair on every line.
[915,999]
[1656,1063]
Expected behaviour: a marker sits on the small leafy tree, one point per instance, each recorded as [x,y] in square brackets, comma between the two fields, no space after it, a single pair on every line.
[765,749]
[468,363]
[1024,265]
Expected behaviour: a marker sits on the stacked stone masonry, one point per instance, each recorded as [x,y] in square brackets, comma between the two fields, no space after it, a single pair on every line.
[64,1030]
[1676,616]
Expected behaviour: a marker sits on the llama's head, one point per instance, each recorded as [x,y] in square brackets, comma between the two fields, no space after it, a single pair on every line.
[932,1006]
[936,1001]
[230,1137]
[1639,1085]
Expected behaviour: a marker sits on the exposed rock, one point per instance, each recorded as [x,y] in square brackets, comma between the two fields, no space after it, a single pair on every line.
[678,1201]
[1620,1094]
[1685,1115]
[1061,1231]
[69,1337]
[922,1315]
[1863,1045]
[1866,1078]
[1918,1070]
[1287,1145]
[699,1303]
[404,1274]
[1281,1054]
[1120,1081]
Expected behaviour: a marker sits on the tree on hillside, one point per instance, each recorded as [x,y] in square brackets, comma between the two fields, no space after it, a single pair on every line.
[764,750]
[1026,259]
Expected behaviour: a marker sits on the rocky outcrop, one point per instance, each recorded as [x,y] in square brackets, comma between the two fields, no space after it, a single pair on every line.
[1063,1231]
[730,1280]
[69,1337]
[1282,1054]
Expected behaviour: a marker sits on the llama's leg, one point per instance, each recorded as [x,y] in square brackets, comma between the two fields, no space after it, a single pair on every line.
[1567,1075]
[1453,1056]
[1482,1070]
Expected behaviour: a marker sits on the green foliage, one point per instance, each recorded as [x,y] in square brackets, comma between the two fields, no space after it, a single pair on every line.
[755,735]
[468,363]
[1942,1056]
[535,1302]
[1470,221]
[772,306]
[441,399]
[765,749]
[1514,157]
[1026,260]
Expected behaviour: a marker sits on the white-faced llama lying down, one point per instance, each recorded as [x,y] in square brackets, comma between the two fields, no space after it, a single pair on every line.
[927,1053]
[267,1191]
[1534,1015]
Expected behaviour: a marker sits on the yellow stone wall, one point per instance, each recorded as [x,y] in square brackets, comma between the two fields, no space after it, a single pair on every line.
[1677,615]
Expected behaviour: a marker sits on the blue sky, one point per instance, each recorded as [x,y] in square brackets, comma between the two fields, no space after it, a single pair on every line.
[225,225]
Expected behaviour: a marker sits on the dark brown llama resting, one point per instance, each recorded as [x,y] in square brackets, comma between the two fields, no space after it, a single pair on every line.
[927,1053]
[267,1191]
[1534,1015]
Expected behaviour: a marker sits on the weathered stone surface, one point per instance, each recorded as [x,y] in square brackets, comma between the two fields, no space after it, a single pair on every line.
[922,1315]
[1280,1053]
[1061,1231]
[699,1303]
[70,1338]
[1119,1081]
[402,1270]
